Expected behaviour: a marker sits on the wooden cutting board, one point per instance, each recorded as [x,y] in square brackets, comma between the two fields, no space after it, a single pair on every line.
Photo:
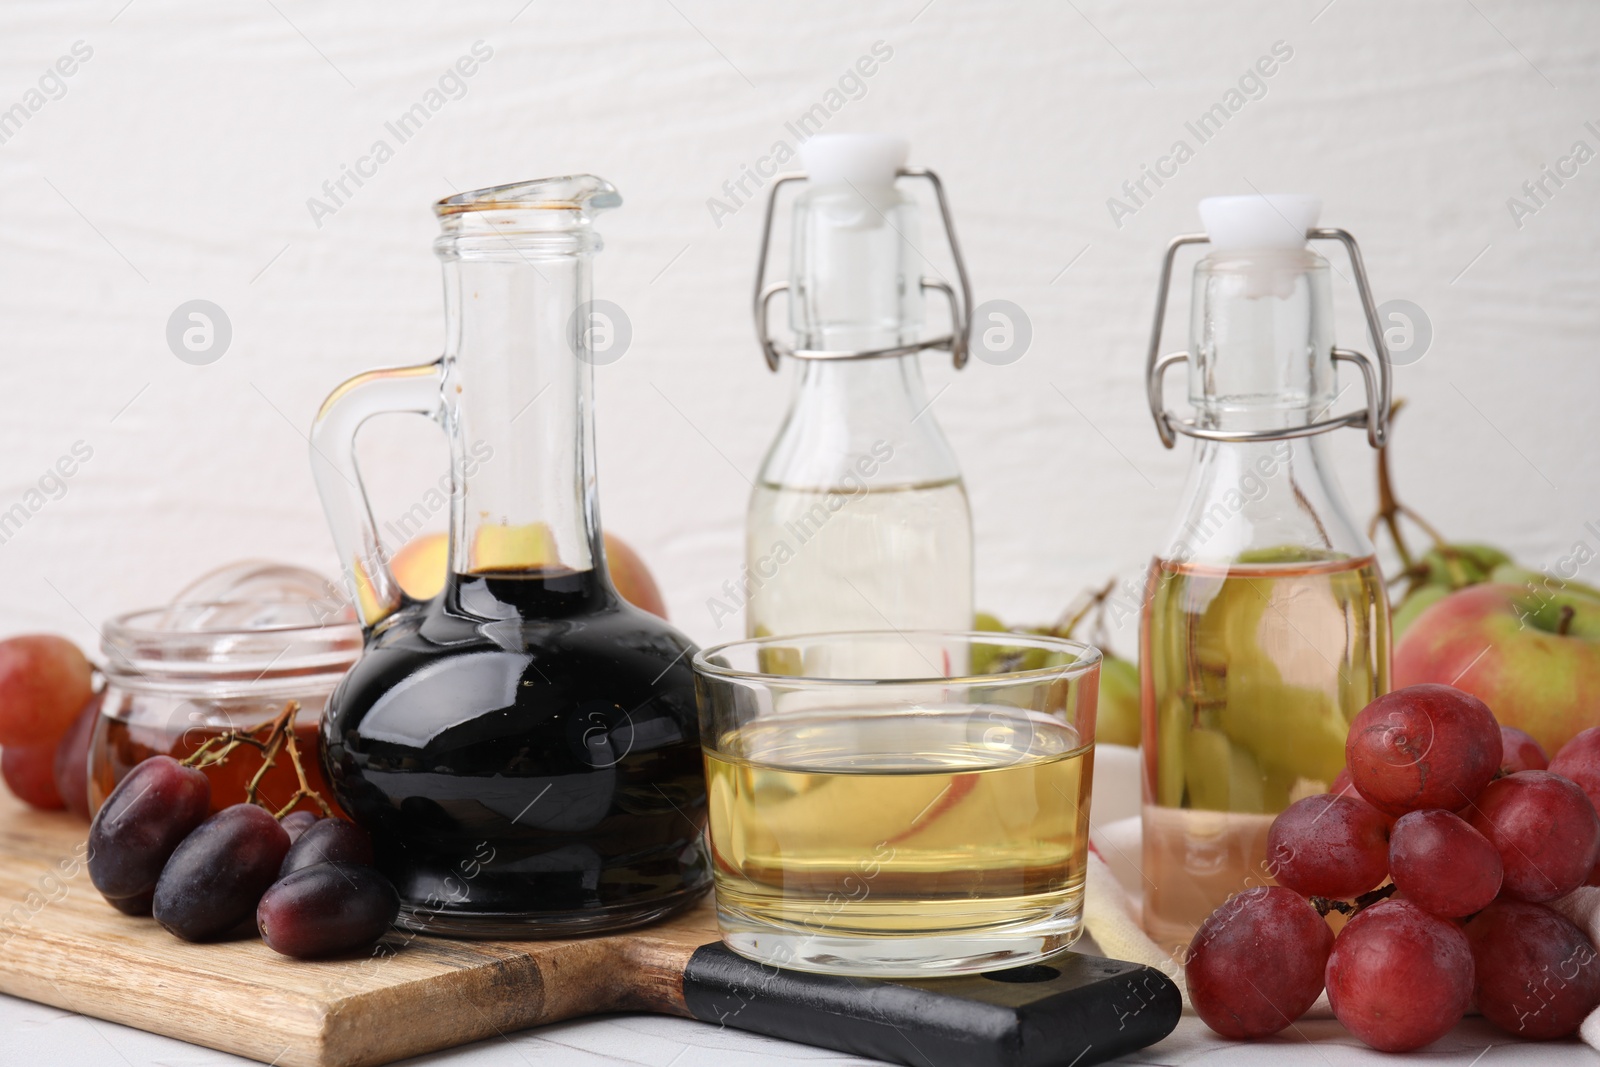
[61,944]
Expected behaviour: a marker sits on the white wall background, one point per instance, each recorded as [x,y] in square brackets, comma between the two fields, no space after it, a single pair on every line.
[178,164]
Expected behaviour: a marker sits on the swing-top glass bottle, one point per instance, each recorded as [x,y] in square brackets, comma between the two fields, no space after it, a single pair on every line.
[859,519]
[1265,627]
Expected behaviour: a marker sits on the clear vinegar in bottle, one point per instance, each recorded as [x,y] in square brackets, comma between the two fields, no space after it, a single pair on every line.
[859,519]
[1265,627]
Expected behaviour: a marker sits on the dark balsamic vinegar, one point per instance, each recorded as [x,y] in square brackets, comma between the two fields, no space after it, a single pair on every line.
[524,747]
[525,750]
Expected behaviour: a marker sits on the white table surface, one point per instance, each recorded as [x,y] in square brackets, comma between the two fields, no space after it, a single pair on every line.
[33,1035]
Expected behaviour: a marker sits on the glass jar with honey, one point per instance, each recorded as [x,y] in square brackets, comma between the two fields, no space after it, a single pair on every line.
[182,675]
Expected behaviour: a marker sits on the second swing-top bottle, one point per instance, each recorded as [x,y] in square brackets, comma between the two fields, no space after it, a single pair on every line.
[1265,626]
[859,519]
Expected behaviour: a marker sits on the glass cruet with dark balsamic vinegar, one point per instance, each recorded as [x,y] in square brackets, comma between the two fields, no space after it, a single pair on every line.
[1265,627]
[859,518]
[523,747]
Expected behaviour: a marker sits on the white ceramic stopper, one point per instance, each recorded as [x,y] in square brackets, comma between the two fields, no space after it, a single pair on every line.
[1256,220]
[859,159]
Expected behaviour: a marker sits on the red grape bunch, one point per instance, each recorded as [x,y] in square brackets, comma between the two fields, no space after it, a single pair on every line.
[1445,839]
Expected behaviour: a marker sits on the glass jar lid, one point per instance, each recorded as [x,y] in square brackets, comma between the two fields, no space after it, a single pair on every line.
[259,641]
[253,625]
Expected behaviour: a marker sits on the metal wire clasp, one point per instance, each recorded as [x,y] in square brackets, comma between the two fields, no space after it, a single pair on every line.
[956,342]
[1374,418]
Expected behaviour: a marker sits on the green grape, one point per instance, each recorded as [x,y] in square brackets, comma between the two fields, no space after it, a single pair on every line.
[1455,566]
[984,653]
[1294,731]
[1283,554]
[1515,575]
[780,660]
[1172,756]
[1221,776]
[1118,720]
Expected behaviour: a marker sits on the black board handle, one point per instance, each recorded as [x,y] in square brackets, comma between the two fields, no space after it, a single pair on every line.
[1071,1009]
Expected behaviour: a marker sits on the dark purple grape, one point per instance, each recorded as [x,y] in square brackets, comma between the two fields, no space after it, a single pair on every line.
[216,877]
[144,819]
[297,823]
[328,841]
[326,910]
[139,905]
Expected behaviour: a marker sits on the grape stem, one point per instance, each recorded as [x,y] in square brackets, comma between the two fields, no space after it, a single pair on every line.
[270,739]
[1327,904]
[1391,511]
[305,792]
[1087,602]
[1368,899]
[1360,904]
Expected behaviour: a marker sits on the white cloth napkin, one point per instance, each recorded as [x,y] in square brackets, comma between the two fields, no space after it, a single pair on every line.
[1114,896]
[1111,908]
[1582,906]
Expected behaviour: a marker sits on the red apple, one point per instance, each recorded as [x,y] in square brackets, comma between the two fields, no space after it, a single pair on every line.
[29,772]
[44,681]
[1533,656]
[632,578]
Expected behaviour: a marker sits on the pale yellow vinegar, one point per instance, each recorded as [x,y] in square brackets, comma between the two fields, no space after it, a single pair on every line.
[875,822]
[825,561]
[1250,675]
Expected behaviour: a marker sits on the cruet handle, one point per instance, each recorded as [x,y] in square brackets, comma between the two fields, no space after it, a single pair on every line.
[370,584]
